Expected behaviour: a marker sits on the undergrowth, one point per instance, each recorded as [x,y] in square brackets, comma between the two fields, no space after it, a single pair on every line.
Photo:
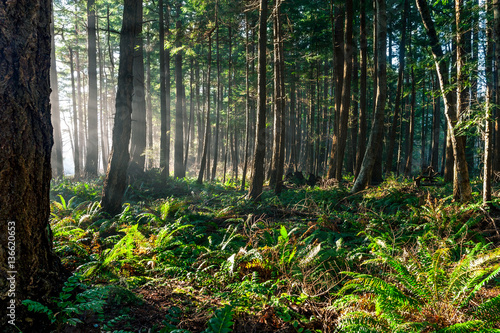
[394,258]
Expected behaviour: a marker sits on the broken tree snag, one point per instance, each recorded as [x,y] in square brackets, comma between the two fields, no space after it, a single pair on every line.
[428,176]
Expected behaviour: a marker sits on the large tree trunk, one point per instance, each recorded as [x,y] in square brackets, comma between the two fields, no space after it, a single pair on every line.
[260,134]
[436,113]
[57,157]
[411,127]
[149,106]
[496,110]
[28,267]
[461,184]
[116,176]
[138,139]
[218,99]
[91,162]
[376,134]
[397,103]
[179,170]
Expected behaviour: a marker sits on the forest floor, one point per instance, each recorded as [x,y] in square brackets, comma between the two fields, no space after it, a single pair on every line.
[184,257]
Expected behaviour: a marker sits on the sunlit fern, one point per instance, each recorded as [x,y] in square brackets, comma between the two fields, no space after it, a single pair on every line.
[423,291]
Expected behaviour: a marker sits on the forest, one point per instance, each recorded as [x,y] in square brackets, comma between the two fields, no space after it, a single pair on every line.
[185,166]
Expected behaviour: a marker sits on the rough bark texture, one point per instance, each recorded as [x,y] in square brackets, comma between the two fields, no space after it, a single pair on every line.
[376,134]
[116,176]
[490,101]
[26,257]
[179,170]
[138,139]
[260,134]
[91,161]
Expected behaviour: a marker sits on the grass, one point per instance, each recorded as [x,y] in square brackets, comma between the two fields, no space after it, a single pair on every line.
[196,258]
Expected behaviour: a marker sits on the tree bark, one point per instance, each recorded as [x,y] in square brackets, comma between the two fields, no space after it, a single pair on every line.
[361,147]
[76,151]
[247,103]
[490,101]
[164,142]
[376,134]
[57,157]
[116,176]
[257,183]
[91,162]
[28,267]
[179,170]
[138,139]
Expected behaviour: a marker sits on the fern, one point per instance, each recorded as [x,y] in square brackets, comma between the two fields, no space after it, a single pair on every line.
[221,322]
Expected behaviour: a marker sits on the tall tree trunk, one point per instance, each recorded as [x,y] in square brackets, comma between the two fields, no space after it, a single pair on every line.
[436,113]
[76,151]
[218,100]
[496,79]
[490,101]
[149,104]
[138,143]
[103,105]
[164,143]
[206,146]
[260,135]
[361,148]
[346,90]
[229,83]
[462,189]
[411,126]
[397,102]
[376,134]
[57,156]
[247,103]
[116,175]
[30,270]
[81,122]
[91,162]
[179,170]
[190,135]
[338,22]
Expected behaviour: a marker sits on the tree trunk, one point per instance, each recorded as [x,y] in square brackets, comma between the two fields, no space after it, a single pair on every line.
[490,101]
[76,151]
[247,103]
[346,89]
[29,268]
[116,175]
[206,147]
[462,189]
[260,135]
[338,49]
[138,143]
[436,113]
[179,170]
[397,103]
[91,162]
[218,100]
[411,127]
[149,106]
[164,143]
[376,134]
[57,157]
[360,151]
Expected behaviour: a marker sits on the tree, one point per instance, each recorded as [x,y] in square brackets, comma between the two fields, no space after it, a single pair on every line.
[260,135]
[138,139]
[57,157]
[461,185]
[115,181]
[376,134]
[27,262]
[179,168]
[92,138]
[488,142]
